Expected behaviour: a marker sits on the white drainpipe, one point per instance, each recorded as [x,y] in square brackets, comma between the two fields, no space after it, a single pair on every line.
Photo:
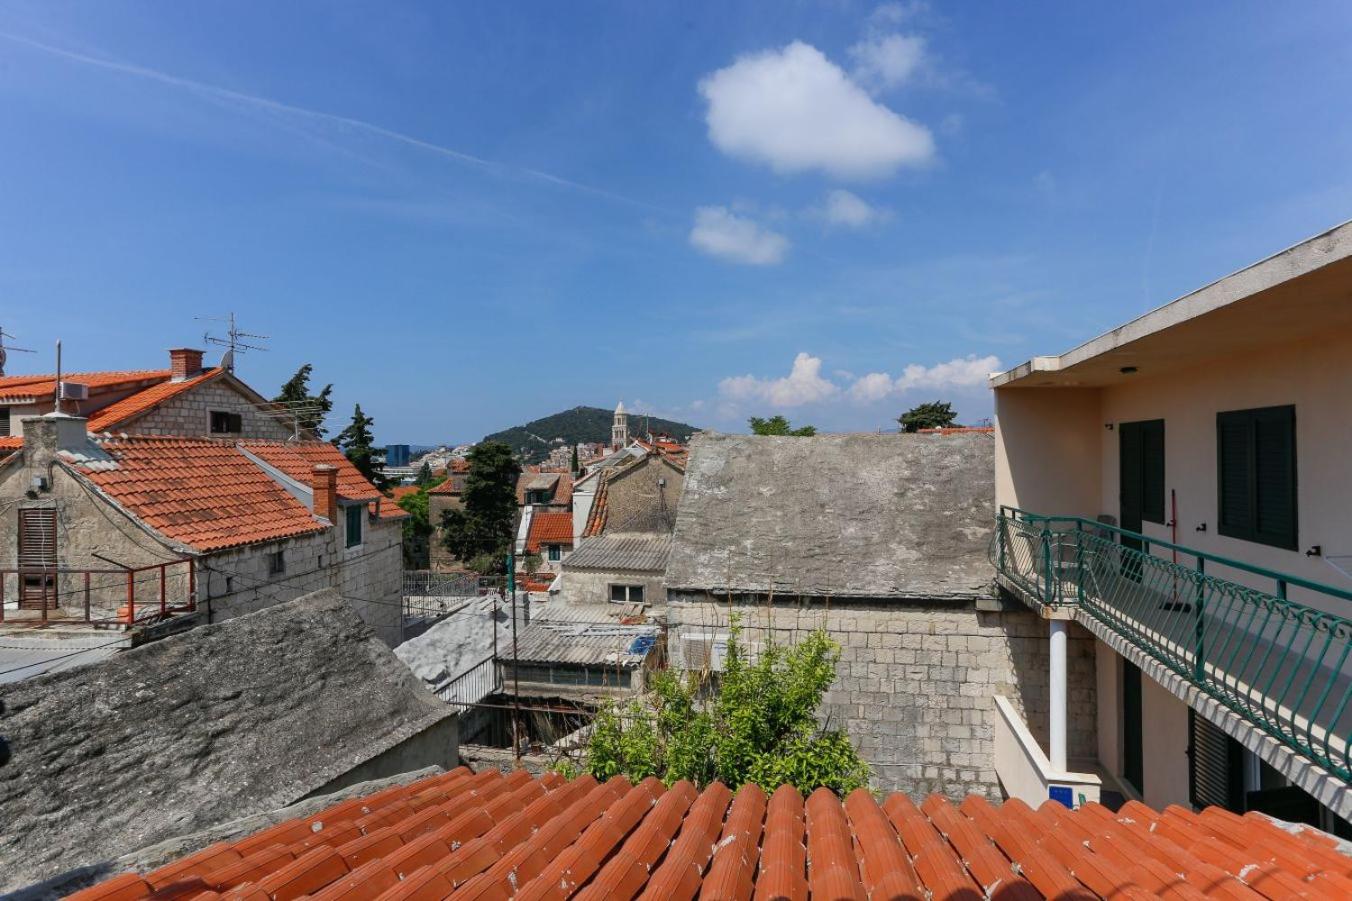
[1057,732]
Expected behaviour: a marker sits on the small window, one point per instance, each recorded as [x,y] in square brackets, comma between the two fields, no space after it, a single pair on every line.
[354,519]
[4,422]
[555,552]
[626,594]
[1256,475]
[223,423]
[276,563]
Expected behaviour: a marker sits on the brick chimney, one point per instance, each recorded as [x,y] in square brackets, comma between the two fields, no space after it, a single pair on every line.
[185,363]
[325,484]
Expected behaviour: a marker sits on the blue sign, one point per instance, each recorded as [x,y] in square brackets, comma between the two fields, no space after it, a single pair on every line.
[1063,794]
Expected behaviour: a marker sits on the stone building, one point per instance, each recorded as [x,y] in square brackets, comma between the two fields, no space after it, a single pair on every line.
[222,722]
[881,541]
[136,530]
[622,555]
[187,399]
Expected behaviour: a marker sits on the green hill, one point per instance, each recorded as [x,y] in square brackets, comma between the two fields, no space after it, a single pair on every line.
[534,440]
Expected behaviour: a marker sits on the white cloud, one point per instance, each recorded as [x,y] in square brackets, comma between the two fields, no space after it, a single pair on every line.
[722,233]
[851,210]
[887,61]
[795,110]
[959,372]
[874,386]
[803,385]
[970,371]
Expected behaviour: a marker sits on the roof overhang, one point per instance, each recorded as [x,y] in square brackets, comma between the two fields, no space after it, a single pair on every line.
[1296,294]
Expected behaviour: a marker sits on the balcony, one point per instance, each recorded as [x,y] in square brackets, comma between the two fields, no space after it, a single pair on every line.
[1281,665]
[120,598]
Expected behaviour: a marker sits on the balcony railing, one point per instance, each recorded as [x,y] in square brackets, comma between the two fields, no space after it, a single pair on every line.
[1283,666]
[111,597]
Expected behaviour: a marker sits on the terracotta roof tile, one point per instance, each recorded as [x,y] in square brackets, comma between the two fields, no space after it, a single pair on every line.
[13,386]
[203,493]
[463,835]
[549,528]
[116,414]
[297,459]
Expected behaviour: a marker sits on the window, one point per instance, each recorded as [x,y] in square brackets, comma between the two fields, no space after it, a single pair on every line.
[354,517]
[626,594]
[555,552]
[537,497]
[1256,467]
[4,422]
[276,563]
[223,423]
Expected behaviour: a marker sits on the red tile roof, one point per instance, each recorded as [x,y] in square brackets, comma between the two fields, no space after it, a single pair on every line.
[454,484]
[488,836]
[596,518]
[44,385]
[142,402]
[201,492]
[399,492]
[297,459]
[549,528]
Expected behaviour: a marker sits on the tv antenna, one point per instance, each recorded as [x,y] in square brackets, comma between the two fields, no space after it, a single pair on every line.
[4,350]
[233,340]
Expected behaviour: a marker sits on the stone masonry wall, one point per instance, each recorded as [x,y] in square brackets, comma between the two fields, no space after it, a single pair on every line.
[916,682]
[189,414]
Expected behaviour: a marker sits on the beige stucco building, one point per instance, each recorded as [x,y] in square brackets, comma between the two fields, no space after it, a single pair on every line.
[1199,457]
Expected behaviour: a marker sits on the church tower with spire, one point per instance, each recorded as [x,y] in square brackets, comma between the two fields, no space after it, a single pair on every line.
[619,432]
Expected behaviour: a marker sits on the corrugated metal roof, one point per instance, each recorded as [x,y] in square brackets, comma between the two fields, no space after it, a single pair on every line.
[585,635]
[633,551]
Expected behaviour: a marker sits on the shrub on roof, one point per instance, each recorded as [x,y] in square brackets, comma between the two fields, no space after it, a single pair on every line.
[760,724]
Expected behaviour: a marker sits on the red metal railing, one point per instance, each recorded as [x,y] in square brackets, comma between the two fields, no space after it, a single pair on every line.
[72,592]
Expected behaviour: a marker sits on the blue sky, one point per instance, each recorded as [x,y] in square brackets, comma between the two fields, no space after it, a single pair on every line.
[468,215]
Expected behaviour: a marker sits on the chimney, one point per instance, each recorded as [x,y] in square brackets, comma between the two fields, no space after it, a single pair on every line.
[46,436]
[185,363]
[325,484]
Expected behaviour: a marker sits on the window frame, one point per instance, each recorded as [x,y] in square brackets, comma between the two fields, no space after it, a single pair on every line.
[553,552]
[230,419]
[353,516]
[1285,417]
[628,588]
[6,422]
[276,563]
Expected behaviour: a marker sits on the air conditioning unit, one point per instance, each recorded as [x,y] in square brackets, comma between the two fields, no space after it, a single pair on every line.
[74,391]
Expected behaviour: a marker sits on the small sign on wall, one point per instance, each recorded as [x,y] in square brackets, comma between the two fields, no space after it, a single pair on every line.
[1062,793]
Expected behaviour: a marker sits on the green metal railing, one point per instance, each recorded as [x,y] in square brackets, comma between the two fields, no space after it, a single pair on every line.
[1284,666]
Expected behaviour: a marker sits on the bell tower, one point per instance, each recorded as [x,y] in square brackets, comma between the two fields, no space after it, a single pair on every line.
[619,432]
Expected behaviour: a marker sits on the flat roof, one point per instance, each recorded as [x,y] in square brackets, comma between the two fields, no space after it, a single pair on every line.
[1296,293]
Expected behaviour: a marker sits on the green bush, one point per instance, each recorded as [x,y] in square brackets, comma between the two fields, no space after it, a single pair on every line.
[760,726]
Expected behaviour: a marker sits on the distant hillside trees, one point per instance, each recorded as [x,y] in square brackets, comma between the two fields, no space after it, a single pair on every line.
[932,415]
[778,425]
[480,532]
[533,441]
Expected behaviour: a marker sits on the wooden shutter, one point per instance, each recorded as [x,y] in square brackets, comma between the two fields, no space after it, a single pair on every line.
[1274,442]
[1133,745]
[37,538]
[1152,470]
[4,422]
[1234,462]
[1215,766]
[1256,475]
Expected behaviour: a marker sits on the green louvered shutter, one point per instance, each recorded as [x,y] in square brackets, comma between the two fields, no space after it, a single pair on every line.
[1274,442]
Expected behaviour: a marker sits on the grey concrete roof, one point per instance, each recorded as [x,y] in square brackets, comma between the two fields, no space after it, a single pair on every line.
[220,722]
[866,516]
[621,552]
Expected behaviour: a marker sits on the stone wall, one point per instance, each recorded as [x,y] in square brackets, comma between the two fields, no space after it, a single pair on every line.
[643,497]
[915,681]
[189,414]
[589,586]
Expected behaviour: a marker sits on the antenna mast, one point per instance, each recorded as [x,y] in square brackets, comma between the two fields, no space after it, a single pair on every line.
[232,340]
[4,350]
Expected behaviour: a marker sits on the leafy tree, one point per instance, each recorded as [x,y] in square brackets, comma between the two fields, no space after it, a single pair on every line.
[483,526]
[933,415]
[778,425]
[417,527]
[425,477]
[310,408]
[760,726]
[358,446]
